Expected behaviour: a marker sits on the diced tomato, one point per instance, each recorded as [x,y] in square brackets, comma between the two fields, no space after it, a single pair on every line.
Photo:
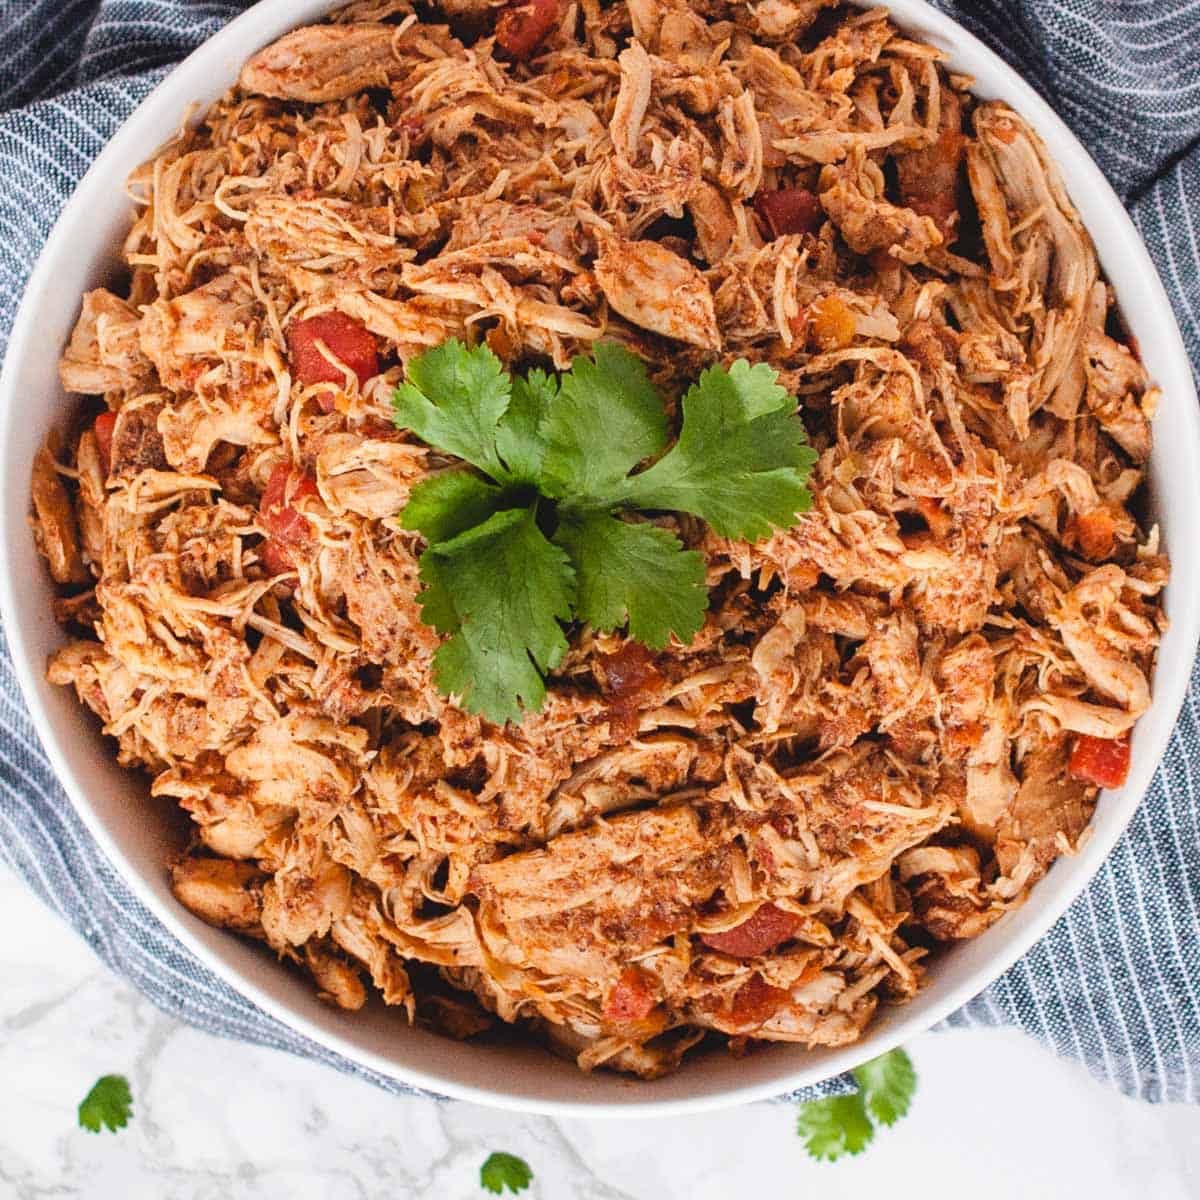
[929,177]
[276,557]
[631,999]
[288,528]
[756,1002]
[106,424]
[1102,761]
[348,340]
[629,676]
[522,27]
[1096,533]
[628,672]
[762,932]
[789,210]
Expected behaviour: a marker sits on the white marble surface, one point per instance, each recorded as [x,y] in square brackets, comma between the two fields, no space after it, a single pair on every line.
[994,1117]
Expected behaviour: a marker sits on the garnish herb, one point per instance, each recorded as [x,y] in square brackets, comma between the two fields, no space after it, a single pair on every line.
[839,1125]
[108,1105]
[545,524]
[502,1171]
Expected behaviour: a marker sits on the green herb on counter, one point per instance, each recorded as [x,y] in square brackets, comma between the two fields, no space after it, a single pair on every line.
[838,1125]
[109,1104]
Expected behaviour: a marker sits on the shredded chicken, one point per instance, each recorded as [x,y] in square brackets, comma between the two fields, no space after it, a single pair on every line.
[870,749]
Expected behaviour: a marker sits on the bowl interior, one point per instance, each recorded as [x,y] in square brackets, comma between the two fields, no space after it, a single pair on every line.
[139,834]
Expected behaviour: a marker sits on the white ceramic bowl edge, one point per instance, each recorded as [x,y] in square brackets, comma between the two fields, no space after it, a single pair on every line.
[137,834]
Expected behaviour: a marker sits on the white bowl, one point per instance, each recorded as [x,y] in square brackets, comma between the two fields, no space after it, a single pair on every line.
[83,252]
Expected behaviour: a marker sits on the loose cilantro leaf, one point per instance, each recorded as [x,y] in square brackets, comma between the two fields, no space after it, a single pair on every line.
[833,1126]
[108,1105]
[606,419]
[634,572]
[502,1171]
[454,399]
[500,590]
[887,1085]
[840,1125]
[740,464]
[443,506]
[518,438]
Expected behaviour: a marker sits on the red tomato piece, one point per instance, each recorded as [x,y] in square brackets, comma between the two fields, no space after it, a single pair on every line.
[346,339]
[631,999]
[1102,761]
[929,179]
[629,678]
[762,932]
[628,672]
[522,27]
[756,1002]
[288,528]
[789,210]
[106,424]
[276,557]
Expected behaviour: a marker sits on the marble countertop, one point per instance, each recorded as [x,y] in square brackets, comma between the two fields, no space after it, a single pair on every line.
[995,1117]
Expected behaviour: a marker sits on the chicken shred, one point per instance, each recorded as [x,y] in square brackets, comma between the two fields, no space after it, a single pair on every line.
[865,753]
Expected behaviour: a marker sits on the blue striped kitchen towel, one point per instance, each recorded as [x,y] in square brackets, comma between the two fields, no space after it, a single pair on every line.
[1116,983]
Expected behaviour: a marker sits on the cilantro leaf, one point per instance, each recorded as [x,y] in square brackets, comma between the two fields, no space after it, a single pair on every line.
[834,1125]
[436,598]
[757,388]
[840,1125]
[501,1171]
[445,505]
[454,399]
[739,464]
[500,590]
[560,451]
[606,419]
[518,438]
[887,1085]
[108,1105]
[634,572]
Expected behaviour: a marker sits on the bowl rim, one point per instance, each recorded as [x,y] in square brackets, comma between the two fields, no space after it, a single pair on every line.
[223,54]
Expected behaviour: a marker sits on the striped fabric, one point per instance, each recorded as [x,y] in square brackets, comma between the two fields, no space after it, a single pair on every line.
[1116,983]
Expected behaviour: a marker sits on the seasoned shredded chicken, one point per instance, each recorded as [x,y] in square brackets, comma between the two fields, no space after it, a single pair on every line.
[899,710]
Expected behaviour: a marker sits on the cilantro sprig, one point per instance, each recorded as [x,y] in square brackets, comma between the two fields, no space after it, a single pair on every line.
[108,1105]
[544,522]
[839,1125]
[501,1171]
